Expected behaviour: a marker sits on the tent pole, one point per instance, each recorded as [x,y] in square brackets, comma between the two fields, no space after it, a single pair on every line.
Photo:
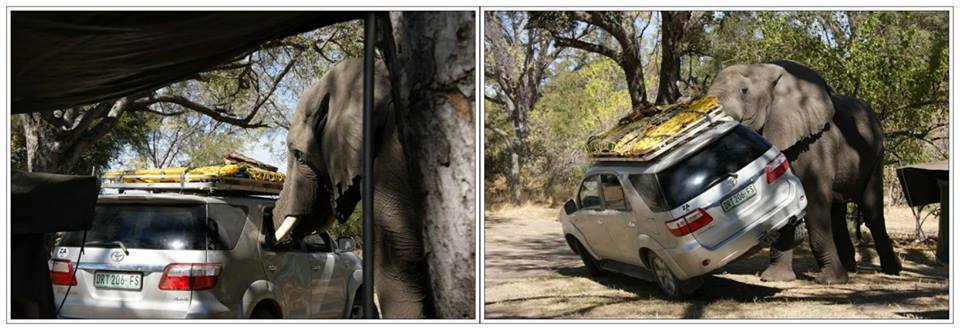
[367,188]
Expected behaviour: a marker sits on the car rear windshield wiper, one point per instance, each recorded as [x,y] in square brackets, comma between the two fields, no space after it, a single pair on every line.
[110,243]
[721,178]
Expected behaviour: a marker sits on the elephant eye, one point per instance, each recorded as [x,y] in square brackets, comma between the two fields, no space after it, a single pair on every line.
[743,91]
[298,155]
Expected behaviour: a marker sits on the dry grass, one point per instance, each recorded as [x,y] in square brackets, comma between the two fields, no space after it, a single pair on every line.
[531,273]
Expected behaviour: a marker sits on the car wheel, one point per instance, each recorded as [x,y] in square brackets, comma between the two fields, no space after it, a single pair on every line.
[791,236]
[668,282]
[593,266]
[263,312]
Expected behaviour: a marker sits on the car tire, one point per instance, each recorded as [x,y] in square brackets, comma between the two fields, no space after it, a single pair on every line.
[668,282]
[593,266]
[791,236]
[263,312]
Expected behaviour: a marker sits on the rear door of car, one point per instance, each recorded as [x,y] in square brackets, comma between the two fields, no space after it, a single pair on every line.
[590,218]
[125,255]
[290,268]
[723,179]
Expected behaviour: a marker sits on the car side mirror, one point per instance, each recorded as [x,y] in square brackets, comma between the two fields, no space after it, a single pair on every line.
[569,207]
[346,244]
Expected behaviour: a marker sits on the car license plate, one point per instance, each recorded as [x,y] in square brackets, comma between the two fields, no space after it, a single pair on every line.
[738,198]
[122,281]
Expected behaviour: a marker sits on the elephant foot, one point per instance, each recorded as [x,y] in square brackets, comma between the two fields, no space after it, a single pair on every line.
[891,267]
[832,275]
[777,274]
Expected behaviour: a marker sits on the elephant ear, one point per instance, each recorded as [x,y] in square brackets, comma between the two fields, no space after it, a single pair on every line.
[800,106]
[343,135]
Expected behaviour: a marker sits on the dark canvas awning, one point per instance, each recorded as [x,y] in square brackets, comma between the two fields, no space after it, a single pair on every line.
[62,59]
[47,203]
[919,182]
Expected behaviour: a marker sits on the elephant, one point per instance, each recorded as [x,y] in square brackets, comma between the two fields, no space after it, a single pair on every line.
[324,176]
[834,144]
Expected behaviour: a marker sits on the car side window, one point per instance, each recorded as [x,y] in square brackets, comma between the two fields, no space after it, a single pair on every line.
[267,232]
[613,197]
[317,243]
[590,194]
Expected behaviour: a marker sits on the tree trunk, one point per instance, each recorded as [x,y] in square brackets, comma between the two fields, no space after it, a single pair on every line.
[671,46]
[432,65]
[635,85]
[514,176]
[48,150]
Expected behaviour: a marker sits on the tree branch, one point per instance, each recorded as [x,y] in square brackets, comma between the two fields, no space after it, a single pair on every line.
[602,50]
[493,99]
[597,18]
[216,114]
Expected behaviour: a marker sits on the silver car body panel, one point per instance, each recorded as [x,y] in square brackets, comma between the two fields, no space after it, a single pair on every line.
[621,236]
[304,285]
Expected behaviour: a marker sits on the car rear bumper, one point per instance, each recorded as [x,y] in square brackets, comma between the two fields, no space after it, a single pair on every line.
[692,259]
[92,308]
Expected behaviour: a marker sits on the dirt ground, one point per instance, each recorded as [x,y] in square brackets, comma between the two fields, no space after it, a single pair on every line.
[531,273]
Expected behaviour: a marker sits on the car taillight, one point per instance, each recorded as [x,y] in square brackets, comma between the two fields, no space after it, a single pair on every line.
[61,272]
[190,276]
[776,167]
[689,222]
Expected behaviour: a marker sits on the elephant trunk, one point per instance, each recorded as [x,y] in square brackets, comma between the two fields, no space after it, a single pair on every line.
[298,211]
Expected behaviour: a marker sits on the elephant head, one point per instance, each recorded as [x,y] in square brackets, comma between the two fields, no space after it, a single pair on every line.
[324,144]
[785,101]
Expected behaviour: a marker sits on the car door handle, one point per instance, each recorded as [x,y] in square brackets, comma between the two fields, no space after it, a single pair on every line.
[631,224]
[317,268]
[272,268]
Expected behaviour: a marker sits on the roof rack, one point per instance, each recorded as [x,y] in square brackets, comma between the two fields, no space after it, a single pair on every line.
[219,179]
[708,111]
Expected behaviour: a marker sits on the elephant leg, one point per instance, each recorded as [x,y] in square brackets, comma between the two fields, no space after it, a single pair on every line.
[872,210]
[841,236]
[780,268]
[821,241]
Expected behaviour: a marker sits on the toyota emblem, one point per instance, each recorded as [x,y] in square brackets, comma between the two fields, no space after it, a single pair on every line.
[117,256]
[732,181]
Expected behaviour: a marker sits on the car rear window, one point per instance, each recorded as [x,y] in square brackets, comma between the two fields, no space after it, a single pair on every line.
[701,170]
[158,227]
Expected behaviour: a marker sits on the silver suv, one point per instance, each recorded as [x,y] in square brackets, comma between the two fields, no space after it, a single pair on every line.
[168,255]
[692,210]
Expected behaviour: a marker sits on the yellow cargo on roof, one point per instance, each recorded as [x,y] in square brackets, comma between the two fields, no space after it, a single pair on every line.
[642,135]
[194,174]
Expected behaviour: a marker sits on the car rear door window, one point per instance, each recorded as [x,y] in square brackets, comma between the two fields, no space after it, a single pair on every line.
[590,193]
[710,165]
[613,197]
[138,226]
[224,226]
[648,188]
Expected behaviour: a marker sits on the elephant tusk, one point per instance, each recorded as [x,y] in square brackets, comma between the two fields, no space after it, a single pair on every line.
[286,228]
